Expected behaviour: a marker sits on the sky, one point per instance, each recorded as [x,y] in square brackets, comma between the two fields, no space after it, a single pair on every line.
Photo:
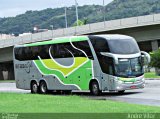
[10,8]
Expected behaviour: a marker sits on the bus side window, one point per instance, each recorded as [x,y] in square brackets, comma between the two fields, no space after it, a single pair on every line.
[100,44]
[110,67]
[58,51]
[84,45]
[27,55]
[66,50]
[44,51]
[61,51]
[23,55]
[35,53]
[18,53]
[107,65]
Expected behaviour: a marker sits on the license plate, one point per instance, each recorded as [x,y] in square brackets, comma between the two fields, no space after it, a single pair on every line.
[133,87]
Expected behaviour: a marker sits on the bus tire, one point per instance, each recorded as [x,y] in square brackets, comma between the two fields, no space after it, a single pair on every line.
[121,91]
[94,89]
[34,87]
[43,87]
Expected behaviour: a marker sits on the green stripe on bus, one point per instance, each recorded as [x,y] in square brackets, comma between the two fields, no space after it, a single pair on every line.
[80,77]
[59,40]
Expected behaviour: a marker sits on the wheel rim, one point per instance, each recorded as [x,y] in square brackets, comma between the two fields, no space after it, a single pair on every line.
[43,88]
[95,89]
[35,88]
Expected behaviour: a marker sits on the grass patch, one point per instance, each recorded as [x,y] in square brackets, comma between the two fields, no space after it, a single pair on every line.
[151,75]
[7,81]
[30,103]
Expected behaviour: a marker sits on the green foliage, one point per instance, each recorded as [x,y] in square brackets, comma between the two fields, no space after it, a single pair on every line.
[151,75]
[87,14]
[155,59]
[80,22]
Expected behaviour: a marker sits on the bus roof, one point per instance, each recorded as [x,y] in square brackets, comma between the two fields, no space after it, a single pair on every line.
[74,39]
[57,40]
[114,36]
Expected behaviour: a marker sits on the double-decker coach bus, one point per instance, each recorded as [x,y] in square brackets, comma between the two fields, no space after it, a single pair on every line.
[97,63]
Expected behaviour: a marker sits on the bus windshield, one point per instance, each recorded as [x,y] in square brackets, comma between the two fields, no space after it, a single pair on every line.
[123,46]
[129,68]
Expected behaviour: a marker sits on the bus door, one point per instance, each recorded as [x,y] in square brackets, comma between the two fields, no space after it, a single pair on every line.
[111,82]
[107,66]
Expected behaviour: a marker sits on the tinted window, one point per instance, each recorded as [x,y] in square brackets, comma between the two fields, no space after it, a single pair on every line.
[85,47]
[123,46]
[107,64]
[99,44]
[66,50]
[62,50]
[32,53]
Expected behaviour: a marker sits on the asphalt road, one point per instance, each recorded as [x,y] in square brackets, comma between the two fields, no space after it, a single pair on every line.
[11,87]
[150,95]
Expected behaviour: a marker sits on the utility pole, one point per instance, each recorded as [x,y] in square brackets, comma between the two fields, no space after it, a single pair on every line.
[52,30]
[104,18]
[66,17]
[76,4]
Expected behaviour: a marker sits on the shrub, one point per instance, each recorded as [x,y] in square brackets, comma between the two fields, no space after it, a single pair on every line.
[155,59]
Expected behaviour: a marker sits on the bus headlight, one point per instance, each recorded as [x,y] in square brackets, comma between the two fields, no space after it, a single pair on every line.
[120,82]
[143,79]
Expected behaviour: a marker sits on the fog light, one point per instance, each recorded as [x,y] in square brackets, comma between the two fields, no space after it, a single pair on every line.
[143,85]
[118,87]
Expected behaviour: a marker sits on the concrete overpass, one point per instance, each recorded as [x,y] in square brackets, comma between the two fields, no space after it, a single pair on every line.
[146,30]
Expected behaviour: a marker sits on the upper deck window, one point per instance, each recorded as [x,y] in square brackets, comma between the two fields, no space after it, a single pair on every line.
[115,46]
[60,50]
[123,46]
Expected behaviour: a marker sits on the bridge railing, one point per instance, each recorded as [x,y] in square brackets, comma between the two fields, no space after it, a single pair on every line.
[85,29]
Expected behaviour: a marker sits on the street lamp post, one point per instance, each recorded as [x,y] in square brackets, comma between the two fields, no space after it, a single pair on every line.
[52,30]
[104,18]
[66,17]
[76,4]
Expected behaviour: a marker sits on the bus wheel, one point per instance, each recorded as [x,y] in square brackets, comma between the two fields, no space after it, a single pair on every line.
[94,89]
[121,91]
[43,87]
[34,87]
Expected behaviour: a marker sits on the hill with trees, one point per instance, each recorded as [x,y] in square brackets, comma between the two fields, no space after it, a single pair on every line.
[88,13]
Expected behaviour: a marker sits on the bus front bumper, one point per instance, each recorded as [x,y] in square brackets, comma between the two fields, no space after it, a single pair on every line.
[130,86]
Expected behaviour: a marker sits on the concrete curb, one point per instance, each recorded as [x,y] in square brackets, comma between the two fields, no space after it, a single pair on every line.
[152,78]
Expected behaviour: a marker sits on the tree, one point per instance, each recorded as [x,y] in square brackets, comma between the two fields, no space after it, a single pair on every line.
[81,22]
[117,9]
[155,59]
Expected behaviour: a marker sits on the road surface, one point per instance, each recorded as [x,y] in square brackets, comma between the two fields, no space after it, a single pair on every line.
[150,95]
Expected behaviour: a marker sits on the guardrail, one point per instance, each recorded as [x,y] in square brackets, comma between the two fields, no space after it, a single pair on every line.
[85,29]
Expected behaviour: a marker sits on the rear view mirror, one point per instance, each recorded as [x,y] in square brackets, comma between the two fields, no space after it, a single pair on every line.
[146,58]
